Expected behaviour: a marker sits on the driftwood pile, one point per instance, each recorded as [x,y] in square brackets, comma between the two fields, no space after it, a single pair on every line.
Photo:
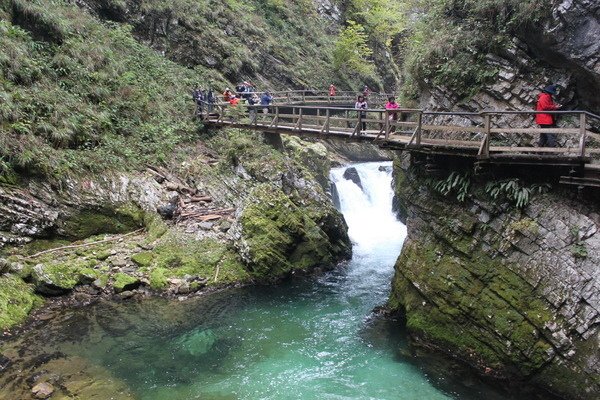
[190,206]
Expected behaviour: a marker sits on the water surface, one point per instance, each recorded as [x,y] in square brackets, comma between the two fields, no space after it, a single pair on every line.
[310,338]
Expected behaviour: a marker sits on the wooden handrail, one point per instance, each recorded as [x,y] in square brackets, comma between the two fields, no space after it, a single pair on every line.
[418,128]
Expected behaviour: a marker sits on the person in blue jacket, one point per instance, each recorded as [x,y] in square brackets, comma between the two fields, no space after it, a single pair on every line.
[265,101]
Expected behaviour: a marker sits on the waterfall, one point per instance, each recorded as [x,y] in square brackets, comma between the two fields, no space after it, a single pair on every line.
[372,225]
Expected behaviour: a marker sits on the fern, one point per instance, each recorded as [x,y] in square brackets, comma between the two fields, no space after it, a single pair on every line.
[514,191]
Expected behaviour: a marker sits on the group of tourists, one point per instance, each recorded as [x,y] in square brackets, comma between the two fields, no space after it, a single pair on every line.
[246,92]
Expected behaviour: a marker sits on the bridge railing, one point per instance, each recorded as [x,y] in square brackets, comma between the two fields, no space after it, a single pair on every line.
[318,97]
[481,133]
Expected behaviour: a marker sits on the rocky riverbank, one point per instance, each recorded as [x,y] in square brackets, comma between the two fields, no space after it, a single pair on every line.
[512,291]
[236,211]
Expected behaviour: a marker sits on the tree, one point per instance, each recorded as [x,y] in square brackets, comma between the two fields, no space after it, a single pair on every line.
[352,53]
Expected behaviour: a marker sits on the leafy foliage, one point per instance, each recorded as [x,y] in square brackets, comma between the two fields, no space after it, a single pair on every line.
[352,53]
[455,183]
[514,191]
[450,39]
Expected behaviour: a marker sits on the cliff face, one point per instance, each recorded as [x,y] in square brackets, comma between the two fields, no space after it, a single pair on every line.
[513,292]
[520,58]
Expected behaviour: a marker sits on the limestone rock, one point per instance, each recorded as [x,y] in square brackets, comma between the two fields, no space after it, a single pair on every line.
[42,390]
[494,285]
[351,174]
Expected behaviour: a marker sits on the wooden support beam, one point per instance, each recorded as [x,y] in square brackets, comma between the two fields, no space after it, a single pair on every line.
[583,133]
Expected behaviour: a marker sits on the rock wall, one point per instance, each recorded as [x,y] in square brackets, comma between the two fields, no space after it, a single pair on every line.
[563,49]
[513,292]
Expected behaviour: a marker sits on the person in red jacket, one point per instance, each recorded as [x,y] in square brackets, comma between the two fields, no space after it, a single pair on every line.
[545,103]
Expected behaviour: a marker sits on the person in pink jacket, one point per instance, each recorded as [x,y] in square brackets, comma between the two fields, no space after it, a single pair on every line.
[393,115]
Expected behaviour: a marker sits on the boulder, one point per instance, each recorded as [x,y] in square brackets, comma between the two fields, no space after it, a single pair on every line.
[351,174]
[42,390]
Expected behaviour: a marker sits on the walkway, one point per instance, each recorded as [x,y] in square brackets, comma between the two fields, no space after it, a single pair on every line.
[484,136]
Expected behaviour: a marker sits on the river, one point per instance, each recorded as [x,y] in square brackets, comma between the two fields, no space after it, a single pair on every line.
[309,338]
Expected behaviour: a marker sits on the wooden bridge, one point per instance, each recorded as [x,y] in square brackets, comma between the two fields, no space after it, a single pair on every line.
[484,137]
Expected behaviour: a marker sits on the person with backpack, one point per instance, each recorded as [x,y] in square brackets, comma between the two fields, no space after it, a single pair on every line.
[211,100]
[547,121]
[252,107]
[265,101]
[227,95]
[361,104]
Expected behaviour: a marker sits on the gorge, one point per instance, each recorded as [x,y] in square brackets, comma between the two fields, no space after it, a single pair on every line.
[147,254]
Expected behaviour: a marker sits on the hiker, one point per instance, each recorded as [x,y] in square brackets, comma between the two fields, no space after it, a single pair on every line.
[240,89]
[366,91]
[227,95]
[211,100]
[265,102]
[199,97]
[392,106]
[195,93]
[545,103]
[361,104]
[332,90]
[234,100]
[252,107]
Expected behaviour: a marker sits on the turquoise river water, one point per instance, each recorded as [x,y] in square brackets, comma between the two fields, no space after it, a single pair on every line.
[309,338]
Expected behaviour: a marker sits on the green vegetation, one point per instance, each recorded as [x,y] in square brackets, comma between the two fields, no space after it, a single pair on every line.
[450,39]
[456,183]
[16,301]
[351,55]
[514,191]
[81,96]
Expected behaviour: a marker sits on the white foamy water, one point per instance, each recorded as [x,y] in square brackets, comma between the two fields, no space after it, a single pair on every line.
[372,225]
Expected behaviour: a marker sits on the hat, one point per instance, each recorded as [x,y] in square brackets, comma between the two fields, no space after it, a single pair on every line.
[550,89]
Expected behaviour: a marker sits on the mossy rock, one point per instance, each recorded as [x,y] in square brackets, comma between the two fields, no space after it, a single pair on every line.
[143,259]
[280,236]
[17,300]
[177,256]
[58,278]
[86,223]
[474,306]
[123,282]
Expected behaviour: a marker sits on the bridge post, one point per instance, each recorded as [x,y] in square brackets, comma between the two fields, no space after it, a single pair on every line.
[327,122]
[484,148]
[319,117]
[303,96]
[387,124]
[300,119]
[583,134]
[288,97]
[419,128]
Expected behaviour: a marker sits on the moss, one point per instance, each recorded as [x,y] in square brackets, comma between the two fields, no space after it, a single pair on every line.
[143,259]
[178,255]
[17,300]
[122,282]
[158,278]
[156,227]
[86,223]
[280,236]
[471,305]
[64,274]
